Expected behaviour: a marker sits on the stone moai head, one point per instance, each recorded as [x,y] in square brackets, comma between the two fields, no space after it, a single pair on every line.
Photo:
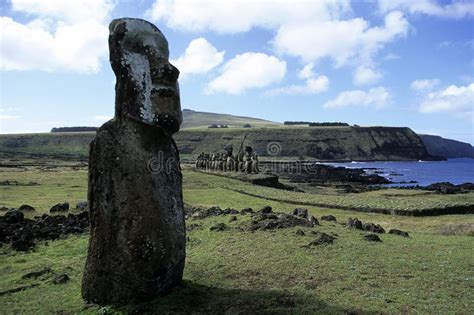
[147,87]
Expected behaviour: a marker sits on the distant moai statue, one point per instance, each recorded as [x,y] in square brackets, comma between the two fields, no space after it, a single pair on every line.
[137,238]
[248,160]
[255,164]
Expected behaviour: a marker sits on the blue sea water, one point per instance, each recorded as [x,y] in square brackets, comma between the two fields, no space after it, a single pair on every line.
[456,171]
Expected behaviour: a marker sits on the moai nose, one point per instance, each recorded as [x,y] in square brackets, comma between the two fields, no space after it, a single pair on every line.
[164,73]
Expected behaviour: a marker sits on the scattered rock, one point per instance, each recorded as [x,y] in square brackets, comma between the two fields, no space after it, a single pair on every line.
[61,278]
[354,224]
[36,274]
[274,221]
[22,233]
[26,208]
[398,232]
[82,205]
[300,232]
[60,207]
[232,211]
[246,210]
[329,218]
[13,216]
[266,209]
[233,218]
[301,212]
[374,228]
[4,209]
[193,226]
[321,240]
[218,227]
[372,238]
[313,220]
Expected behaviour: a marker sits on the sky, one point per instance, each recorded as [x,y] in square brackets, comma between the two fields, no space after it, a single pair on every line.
[372,63]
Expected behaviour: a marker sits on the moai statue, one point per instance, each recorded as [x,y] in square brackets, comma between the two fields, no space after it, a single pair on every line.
[207,161]
[255,166]
[137,238]
[248,159]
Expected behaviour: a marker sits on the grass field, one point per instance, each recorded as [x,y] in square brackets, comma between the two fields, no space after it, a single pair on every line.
[237,271]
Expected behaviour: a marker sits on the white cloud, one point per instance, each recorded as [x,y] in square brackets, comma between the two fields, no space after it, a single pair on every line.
[356,42]
[241,15]
[424,85]
[246,71]
[60,36]
[455,10]
[102,117]
[314,84]
[9,117]
[375,97]
[310,30]
[457,100]
[365,75]
[391,56]
[199,57]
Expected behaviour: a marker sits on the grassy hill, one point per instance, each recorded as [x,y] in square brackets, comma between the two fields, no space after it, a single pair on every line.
[194,119]
[322,143]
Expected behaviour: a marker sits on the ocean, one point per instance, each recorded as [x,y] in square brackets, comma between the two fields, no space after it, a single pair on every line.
[456,171]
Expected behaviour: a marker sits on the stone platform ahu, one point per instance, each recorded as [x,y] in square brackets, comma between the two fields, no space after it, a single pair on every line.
[137,243]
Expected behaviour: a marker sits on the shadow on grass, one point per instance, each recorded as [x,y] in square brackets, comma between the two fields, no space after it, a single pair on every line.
[194,298]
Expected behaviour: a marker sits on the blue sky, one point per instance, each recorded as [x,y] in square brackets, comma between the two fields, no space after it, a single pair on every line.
[390,63]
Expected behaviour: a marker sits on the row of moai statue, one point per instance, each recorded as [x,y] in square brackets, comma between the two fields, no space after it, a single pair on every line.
[244,161]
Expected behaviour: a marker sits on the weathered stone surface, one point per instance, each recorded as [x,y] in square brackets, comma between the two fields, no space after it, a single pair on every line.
[323,239]
[328,217]
[398,232]
[372,238]
[60,207]
[26,208]
[137,243]
[301,212]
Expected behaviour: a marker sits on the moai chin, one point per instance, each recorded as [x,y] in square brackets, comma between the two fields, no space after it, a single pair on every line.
[137,241]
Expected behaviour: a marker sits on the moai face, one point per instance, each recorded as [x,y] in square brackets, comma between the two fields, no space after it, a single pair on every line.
[147,87]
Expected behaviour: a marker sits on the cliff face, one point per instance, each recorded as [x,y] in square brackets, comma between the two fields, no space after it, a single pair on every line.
[438,146]
[322,143]
[331,143]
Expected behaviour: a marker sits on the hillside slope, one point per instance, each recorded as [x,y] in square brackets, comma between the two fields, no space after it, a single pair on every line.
[322,143]
[438,146]
[195,119]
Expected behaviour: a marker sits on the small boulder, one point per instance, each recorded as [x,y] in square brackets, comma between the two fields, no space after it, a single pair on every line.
[372,238]
[233,211]
[22,245]
[398,232]
[61,278]
[301,212]
[81,205]
[60,207]
[354,224]
[13,216]
[218,227]
[313,220]
[266,209]
[26,208]
[374,228]
[322,240]
[246,210]
[300,232]
[233,218]
[329,217]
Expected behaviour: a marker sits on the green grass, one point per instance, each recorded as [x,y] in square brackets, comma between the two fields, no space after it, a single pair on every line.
[237,271]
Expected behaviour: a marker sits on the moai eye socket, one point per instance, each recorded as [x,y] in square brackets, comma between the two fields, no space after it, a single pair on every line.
[162,72]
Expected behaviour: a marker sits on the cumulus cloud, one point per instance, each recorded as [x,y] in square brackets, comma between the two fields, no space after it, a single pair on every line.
[9,117]
[241,15]
[314,83]
[455,9]
[376,97]
[102,118]
[457,100]
[199,57]
[246,71]
[365,75]
[59,36]
[424,85]
[307,30]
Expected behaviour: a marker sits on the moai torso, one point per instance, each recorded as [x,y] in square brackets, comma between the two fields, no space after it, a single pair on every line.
[137,243]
